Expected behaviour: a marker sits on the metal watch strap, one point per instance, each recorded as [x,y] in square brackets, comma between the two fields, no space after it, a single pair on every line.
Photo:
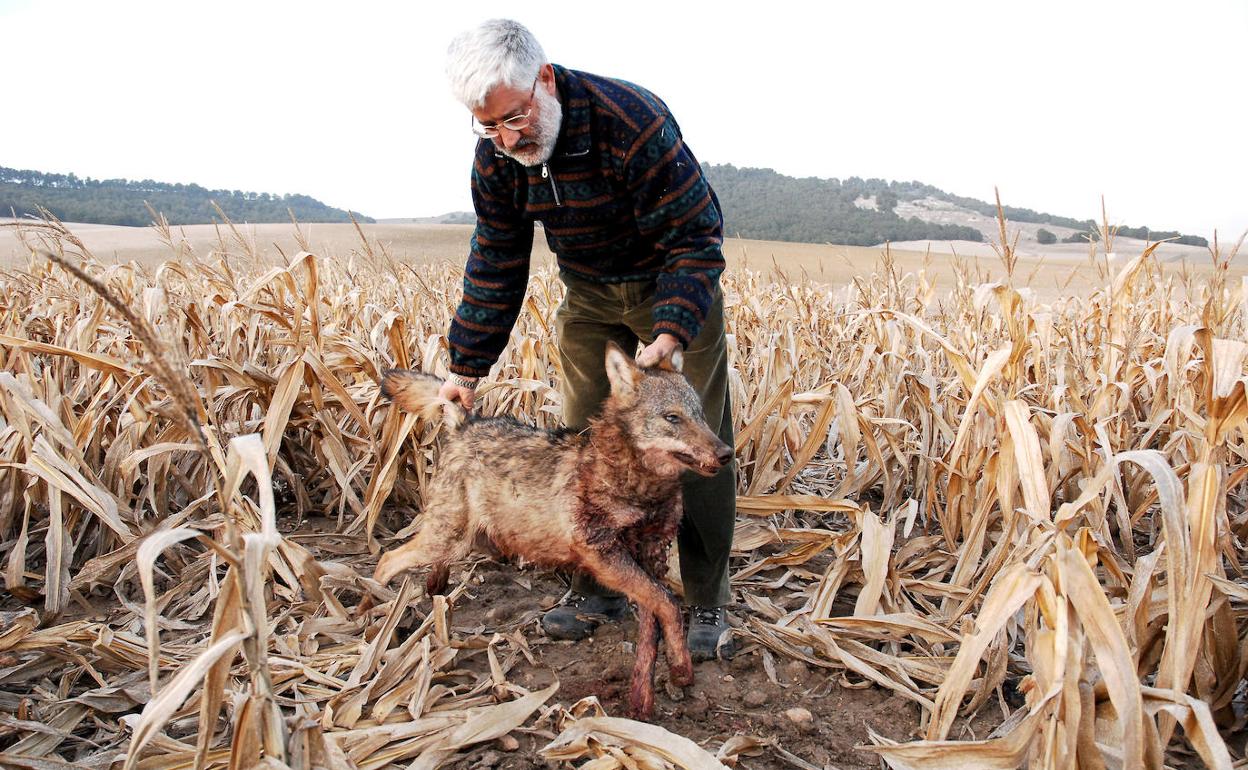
[463,382]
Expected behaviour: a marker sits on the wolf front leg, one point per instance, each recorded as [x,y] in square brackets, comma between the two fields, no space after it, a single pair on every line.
[650,551]
[641,691]
[616,569]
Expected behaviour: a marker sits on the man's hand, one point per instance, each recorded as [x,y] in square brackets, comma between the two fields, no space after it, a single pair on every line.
[452,392]
[658,350]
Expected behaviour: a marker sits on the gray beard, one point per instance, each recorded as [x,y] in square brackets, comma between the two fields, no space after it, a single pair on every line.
[537,149]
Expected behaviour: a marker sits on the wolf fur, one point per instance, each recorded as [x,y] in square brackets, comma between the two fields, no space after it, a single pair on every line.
[606,500]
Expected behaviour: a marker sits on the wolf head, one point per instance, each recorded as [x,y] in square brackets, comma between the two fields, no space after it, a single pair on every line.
[660,411]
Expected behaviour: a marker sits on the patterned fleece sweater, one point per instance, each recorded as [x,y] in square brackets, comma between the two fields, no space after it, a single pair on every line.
[621,199]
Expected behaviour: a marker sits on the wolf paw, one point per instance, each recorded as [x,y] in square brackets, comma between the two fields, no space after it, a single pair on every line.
[681,675]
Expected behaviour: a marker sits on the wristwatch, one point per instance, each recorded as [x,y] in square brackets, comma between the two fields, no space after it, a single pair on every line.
[463,382]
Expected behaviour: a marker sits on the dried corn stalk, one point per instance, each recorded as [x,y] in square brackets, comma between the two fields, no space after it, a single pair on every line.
[970,494]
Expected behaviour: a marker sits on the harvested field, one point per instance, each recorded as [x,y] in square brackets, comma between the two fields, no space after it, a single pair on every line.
[979,526]
[1051,272]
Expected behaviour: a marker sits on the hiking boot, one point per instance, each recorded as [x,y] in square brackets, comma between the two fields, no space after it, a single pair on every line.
[577,615]
[709,634]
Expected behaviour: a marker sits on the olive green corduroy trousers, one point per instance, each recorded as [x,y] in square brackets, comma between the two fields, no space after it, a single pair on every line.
[591,314]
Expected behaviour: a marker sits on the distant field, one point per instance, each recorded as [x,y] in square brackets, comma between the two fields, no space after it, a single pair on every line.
[1061,269]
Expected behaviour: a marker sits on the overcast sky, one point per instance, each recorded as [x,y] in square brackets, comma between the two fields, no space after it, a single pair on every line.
[1055,103]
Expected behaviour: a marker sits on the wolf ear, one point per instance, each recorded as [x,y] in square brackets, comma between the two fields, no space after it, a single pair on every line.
[673,362]
[622,371]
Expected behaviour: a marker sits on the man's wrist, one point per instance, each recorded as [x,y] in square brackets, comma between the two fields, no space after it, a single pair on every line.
[460,381]
[676,342]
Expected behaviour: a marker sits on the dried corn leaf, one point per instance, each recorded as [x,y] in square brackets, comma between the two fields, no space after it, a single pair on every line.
[577,742]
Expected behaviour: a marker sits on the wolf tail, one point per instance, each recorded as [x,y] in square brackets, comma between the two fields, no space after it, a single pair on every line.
[418,392]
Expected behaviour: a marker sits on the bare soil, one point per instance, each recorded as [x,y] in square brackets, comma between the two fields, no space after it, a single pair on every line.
[727,698]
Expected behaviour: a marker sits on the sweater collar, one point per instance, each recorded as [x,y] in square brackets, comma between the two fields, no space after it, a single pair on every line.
[574,130]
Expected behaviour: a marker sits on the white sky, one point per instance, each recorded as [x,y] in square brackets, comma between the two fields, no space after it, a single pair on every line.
[1055,103]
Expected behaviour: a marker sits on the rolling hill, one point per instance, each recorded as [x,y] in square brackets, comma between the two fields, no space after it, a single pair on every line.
[121,201]
[761,203]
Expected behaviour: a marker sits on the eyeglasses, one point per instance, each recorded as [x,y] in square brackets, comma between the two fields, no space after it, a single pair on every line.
[514,123]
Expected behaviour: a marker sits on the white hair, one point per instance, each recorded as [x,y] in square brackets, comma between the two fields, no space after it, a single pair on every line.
[497,52]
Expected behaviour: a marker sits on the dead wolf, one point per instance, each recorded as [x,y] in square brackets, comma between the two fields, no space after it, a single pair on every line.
[606,500]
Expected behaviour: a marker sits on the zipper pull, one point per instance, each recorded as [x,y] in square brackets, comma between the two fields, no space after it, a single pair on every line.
[545,171]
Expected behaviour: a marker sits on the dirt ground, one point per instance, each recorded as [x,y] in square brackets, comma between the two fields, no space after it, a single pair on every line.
[728,698]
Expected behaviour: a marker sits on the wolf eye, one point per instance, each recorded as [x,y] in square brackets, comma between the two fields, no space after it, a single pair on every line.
[673,418]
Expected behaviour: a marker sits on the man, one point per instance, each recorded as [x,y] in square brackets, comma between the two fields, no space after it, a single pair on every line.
[637,232]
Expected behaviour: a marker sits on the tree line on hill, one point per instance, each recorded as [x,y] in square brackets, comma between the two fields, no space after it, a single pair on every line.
[121,202]
[760,203]
[763,204]
[1088,229]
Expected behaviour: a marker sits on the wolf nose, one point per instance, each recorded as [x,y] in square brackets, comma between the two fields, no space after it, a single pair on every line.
[724,454]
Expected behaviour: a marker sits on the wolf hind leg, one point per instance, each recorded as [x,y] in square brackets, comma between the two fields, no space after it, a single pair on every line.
[397,560]
[441,540]
[435,582]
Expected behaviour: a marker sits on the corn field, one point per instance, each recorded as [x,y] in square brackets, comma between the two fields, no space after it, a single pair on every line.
[963,490]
